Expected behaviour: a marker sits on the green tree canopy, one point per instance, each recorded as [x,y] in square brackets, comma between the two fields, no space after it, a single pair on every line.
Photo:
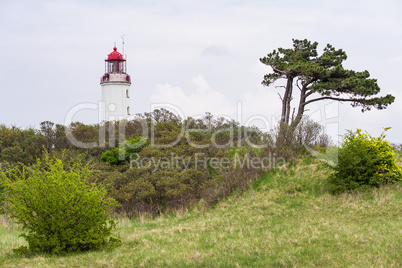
[320,77]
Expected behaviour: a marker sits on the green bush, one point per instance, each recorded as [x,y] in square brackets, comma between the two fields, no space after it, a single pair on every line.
[364,162]
[58,210]
[121,154]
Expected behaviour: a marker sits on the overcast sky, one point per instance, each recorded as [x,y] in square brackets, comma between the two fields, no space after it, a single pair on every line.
[198,56]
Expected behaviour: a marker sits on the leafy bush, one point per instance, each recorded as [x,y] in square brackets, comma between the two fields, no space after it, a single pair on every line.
[363,162]
[119,155]
[58,210]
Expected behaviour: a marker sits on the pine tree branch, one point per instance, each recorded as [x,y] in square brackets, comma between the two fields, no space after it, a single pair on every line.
[278,71]
[333,98]
[297,84]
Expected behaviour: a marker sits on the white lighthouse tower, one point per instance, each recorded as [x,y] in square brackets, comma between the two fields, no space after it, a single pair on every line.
[115,87]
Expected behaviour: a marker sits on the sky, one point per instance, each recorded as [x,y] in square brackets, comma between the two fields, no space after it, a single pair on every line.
[190,56]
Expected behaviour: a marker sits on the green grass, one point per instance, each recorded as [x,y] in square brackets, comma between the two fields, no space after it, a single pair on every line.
[399,157]
[287,219]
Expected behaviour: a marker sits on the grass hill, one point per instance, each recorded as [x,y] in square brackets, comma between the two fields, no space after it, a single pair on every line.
[287,219]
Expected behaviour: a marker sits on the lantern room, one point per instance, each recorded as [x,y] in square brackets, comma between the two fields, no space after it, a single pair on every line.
[115,68]
[115,63]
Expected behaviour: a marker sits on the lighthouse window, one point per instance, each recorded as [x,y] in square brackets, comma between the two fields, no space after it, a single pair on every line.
[127,94]
[115,66]
[128,110]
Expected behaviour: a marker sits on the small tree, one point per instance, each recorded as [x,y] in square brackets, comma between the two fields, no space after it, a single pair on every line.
[46,129]
[58,210]
[364,162]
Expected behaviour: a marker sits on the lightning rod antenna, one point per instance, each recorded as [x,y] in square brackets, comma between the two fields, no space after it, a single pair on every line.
[122,38]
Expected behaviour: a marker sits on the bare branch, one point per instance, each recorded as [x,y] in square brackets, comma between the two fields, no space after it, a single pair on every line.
[280,97]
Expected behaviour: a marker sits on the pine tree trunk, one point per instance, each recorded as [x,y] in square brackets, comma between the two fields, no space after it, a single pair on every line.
[287,98]
[300,110]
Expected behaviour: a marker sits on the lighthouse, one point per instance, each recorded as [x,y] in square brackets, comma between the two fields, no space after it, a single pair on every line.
[115,87]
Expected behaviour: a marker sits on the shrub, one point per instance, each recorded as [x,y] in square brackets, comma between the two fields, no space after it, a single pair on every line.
[58,210]
[364,162]
[119,155]
[292,142]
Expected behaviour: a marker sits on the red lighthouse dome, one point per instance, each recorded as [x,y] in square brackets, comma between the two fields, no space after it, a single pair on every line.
[115,63]
[115,56]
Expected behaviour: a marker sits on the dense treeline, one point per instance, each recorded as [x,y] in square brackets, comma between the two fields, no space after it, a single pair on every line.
[175,163]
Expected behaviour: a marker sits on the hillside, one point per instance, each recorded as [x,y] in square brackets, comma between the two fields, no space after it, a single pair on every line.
[287,219]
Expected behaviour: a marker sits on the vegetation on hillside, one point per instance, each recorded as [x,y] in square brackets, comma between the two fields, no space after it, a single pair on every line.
[179,165]
[287,218]
[159,162]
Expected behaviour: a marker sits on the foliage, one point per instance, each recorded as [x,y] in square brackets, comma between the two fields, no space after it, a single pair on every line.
[364,161]
[320,77]
[56,207]
[169,185]
[119,155]
[174,179]
[18,145]
[269,226]
[46,129]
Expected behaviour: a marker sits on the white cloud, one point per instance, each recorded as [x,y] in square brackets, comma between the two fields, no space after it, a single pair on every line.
[202,99]
[258,106]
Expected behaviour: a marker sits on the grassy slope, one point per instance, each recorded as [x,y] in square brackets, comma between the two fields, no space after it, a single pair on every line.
[287,219]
